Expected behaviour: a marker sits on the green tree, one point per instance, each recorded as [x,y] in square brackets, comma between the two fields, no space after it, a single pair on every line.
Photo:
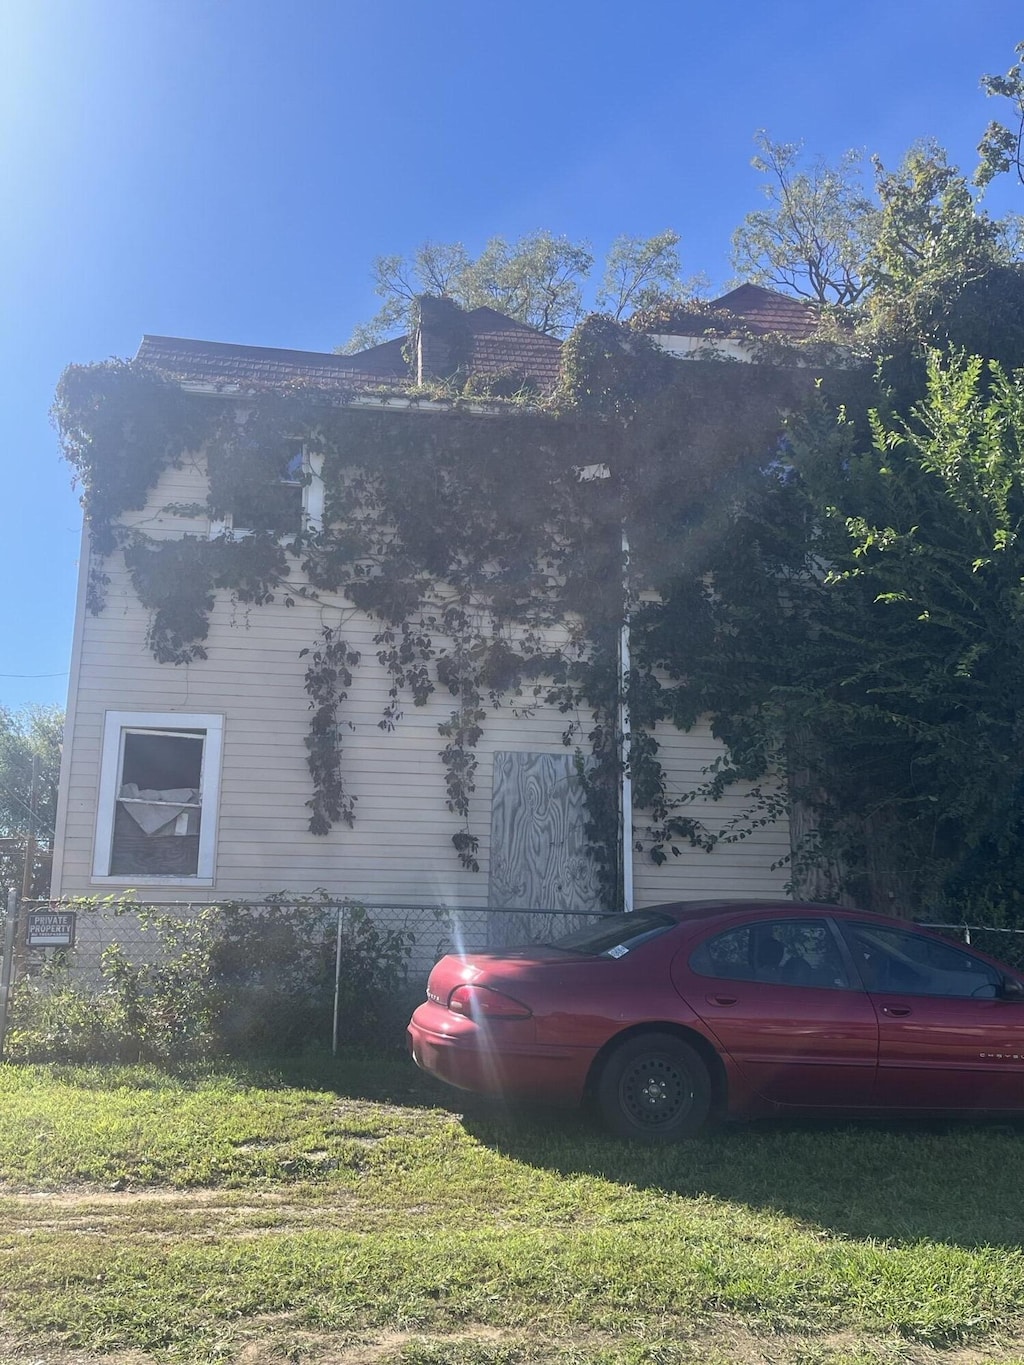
[540,279]
[32,733]
[910,247]
[641,272]
[855,618]
[433,268]
[1000,149]
[814,235]
[537,280]
[932,240]
[860,622]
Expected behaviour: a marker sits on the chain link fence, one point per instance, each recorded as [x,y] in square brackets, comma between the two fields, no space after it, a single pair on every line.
[429,930]
[1005,944]
[161,967]
[373,957]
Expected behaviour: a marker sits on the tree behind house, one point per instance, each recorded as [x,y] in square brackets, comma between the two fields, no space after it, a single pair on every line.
[34,732]
[539,279]
[814,236]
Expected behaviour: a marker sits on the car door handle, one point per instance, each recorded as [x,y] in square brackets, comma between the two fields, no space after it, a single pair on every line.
[897,1011]
[721,1000]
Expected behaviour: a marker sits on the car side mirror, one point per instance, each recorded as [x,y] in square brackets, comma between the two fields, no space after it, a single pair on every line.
[1011,989]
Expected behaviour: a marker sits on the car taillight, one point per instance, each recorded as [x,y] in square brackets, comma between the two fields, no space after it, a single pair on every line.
[480,1002]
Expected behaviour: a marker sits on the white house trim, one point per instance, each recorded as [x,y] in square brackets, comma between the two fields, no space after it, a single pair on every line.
[115,724]
[703,348]
[71,713]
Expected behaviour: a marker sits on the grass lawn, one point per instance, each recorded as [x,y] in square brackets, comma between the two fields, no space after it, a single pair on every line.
[350,1211]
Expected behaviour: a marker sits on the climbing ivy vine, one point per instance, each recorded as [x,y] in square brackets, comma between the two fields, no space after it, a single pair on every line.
[460,524]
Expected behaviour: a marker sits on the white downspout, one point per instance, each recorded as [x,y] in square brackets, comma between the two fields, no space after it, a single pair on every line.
[585,473]
[626,792]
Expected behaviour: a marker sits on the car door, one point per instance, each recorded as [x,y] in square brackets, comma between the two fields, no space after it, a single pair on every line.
[782,999]
[947,1040]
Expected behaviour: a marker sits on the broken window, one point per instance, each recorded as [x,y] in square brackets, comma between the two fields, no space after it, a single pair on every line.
[156,782]
[159,807]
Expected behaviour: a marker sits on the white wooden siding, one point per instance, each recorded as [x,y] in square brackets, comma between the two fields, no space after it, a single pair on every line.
[400,848]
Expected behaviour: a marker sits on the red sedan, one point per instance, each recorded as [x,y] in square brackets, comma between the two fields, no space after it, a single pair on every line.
[673,1014]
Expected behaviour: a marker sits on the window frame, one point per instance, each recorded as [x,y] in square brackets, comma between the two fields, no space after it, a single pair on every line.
[313,501]
[115,725]
[849,928]
[853,980]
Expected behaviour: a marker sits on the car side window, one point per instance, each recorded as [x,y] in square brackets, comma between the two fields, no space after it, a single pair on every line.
[898,962]
[800,952]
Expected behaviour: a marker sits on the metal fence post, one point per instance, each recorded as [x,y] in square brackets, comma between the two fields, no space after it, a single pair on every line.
[8,964]
[337,980]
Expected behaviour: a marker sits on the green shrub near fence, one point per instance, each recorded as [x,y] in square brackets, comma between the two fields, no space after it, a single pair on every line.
[239,978]
[230,979]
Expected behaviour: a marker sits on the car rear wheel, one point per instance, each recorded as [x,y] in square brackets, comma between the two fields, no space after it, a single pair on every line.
[656,1088]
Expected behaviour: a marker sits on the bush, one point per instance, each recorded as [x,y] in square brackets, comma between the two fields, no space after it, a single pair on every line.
[231,979]
[53,1021]
[276,970]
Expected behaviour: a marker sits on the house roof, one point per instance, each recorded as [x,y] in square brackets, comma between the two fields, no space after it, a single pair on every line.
[387,359]
[498,345]
[757,309]
[221,362]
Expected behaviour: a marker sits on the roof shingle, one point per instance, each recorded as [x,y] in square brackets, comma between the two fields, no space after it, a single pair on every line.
[499,345]
[220,362]
[756,309]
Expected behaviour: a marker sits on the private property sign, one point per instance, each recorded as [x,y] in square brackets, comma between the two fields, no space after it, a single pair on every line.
[50,929]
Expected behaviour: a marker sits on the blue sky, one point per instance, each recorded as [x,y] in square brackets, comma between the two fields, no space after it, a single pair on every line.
[228,169]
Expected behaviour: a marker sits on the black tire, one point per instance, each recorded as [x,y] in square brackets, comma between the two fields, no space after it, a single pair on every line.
[654,1087]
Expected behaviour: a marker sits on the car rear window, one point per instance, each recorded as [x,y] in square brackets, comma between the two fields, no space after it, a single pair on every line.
[799,952]
[616,935]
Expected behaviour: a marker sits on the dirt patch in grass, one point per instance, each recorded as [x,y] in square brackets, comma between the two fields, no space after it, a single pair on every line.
[722,1343]
[14,1352]
[84,1196]
[718,1344]
[172,1214]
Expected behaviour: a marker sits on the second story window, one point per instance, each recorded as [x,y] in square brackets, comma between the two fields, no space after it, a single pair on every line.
[277,506]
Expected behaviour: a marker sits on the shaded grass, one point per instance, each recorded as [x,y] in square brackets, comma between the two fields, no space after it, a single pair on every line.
[353,1216]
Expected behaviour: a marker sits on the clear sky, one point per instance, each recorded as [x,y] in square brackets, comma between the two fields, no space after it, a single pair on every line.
[228,169]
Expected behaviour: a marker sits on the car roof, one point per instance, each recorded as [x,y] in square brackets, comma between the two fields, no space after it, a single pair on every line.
[696,915]
[697,912]
[704,909]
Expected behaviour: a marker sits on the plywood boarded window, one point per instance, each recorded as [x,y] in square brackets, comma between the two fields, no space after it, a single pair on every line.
[158,781]
[540,859]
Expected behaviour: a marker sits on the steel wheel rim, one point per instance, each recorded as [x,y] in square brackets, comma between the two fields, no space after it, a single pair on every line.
[656,1091]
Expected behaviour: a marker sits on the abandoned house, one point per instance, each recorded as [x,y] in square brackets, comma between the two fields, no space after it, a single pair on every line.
[189,778]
